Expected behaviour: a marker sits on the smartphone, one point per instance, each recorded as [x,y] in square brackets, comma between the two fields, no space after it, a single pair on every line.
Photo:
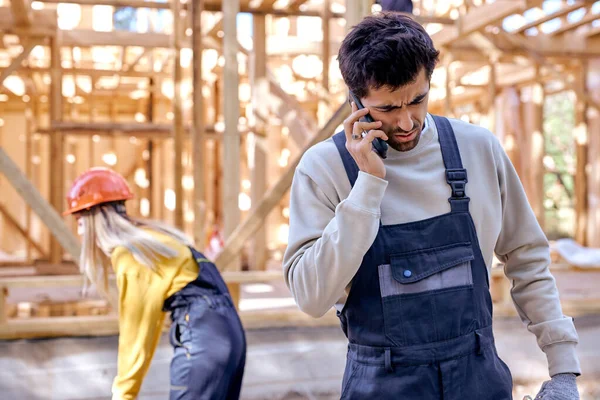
[379,145]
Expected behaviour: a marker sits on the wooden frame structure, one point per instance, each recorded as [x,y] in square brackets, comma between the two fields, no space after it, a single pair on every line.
[203,121]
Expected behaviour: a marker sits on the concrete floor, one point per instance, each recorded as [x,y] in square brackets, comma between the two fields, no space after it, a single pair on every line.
[304,363]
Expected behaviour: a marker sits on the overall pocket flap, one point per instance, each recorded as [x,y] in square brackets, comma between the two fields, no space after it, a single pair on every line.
[414,266]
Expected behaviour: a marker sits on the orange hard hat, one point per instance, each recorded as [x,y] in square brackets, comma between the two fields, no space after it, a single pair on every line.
[96,186]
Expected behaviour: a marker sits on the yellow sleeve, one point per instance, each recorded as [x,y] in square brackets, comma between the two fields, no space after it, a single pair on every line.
[140,323]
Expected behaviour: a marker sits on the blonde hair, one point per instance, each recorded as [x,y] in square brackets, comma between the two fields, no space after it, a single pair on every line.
[106,227]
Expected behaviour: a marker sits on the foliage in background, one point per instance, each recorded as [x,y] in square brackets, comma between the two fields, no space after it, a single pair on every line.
[559,162]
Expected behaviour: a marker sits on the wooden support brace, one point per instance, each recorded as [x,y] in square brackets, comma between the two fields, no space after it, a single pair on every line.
[22,12]
[39,205]
[3,294]
[238,237]
[12,221]
[16,62]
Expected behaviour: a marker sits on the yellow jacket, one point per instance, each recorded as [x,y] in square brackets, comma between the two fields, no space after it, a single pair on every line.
[141,296]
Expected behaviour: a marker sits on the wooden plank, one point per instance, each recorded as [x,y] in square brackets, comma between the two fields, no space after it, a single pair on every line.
[3,318]
[588,18]
[44,21]
[563,11]
[534,126]
[356,10]
[16,62]
[22,12]
[265,9]
[231,114]
[236,240]
[258,172]
[295,4]
[477,19]
[581,153]
[106,325]
[177,105]
[97,73]
[39,205]
[199,135]
[290,111]
[56,171]
[64,281]
[23,231]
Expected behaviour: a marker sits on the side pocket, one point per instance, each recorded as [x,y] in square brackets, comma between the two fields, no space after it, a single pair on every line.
[349,374]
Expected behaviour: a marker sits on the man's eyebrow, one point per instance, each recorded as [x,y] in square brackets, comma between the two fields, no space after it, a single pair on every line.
[419,97]
[388,106]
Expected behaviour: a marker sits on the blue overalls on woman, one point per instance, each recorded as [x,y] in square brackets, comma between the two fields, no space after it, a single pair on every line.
[423,340]
[207,336]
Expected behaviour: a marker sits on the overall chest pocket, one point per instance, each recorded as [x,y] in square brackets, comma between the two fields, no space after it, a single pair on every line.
[427,295]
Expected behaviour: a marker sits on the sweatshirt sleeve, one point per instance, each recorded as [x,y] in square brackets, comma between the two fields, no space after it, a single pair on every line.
[140,323]
[327,241]
[523,248]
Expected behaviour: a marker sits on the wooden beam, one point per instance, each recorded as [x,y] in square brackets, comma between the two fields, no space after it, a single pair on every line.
[243,232]
[131,66]
[199,135]
[22,11]
[295,4]
[209,6]
[581,153]
[356,10]
[290,111]
[177,105]
[44,22]
[534,126]
[588,18]
[258,164]
[548,17]
[39,205]
[97,73]
[477,19]
[150,130]
[23,231]
[231,113]
[56,170]
[16,62]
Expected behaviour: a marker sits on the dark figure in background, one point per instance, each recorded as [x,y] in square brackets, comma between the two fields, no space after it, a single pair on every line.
[397,5]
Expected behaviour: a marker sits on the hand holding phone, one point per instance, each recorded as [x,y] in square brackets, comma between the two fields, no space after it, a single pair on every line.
[360,136]
[379,145]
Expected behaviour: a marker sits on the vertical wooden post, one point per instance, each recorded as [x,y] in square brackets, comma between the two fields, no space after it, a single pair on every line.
[29,128]
[177,114]
[259,162]
[56,172]
[356,10]
[231,137]
[448,82]
[534,129]
[492,92]
[199,137]
[581,143]
[150,147]
[3,293]
[231,112]
[324,111]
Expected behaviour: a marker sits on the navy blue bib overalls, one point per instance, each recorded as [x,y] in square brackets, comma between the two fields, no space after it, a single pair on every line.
[207,337]
[418,317]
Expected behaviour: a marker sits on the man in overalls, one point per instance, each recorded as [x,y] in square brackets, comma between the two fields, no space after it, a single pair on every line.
[402,246]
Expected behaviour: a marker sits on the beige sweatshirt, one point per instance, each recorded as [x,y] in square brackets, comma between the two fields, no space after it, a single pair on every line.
[333,225]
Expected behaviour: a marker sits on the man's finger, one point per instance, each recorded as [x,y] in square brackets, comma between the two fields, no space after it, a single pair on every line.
[360,126]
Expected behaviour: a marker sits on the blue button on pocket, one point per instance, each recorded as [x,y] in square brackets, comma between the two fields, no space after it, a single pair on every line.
[407,273]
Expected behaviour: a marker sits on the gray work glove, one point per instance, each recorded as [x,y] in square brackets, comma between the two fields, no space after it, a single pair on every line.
[560,387]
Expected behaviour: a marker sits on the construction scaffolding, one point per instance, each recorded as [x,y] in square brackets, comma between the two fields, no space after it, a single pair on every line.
[207,106]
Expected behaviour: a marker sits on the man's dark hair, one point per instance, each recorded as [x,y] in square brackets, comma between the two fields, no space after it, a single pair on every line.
[385,50]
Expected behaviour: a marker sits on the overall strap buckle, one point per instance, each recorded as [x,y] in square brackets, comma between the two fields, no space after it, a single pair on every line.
[457,179]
